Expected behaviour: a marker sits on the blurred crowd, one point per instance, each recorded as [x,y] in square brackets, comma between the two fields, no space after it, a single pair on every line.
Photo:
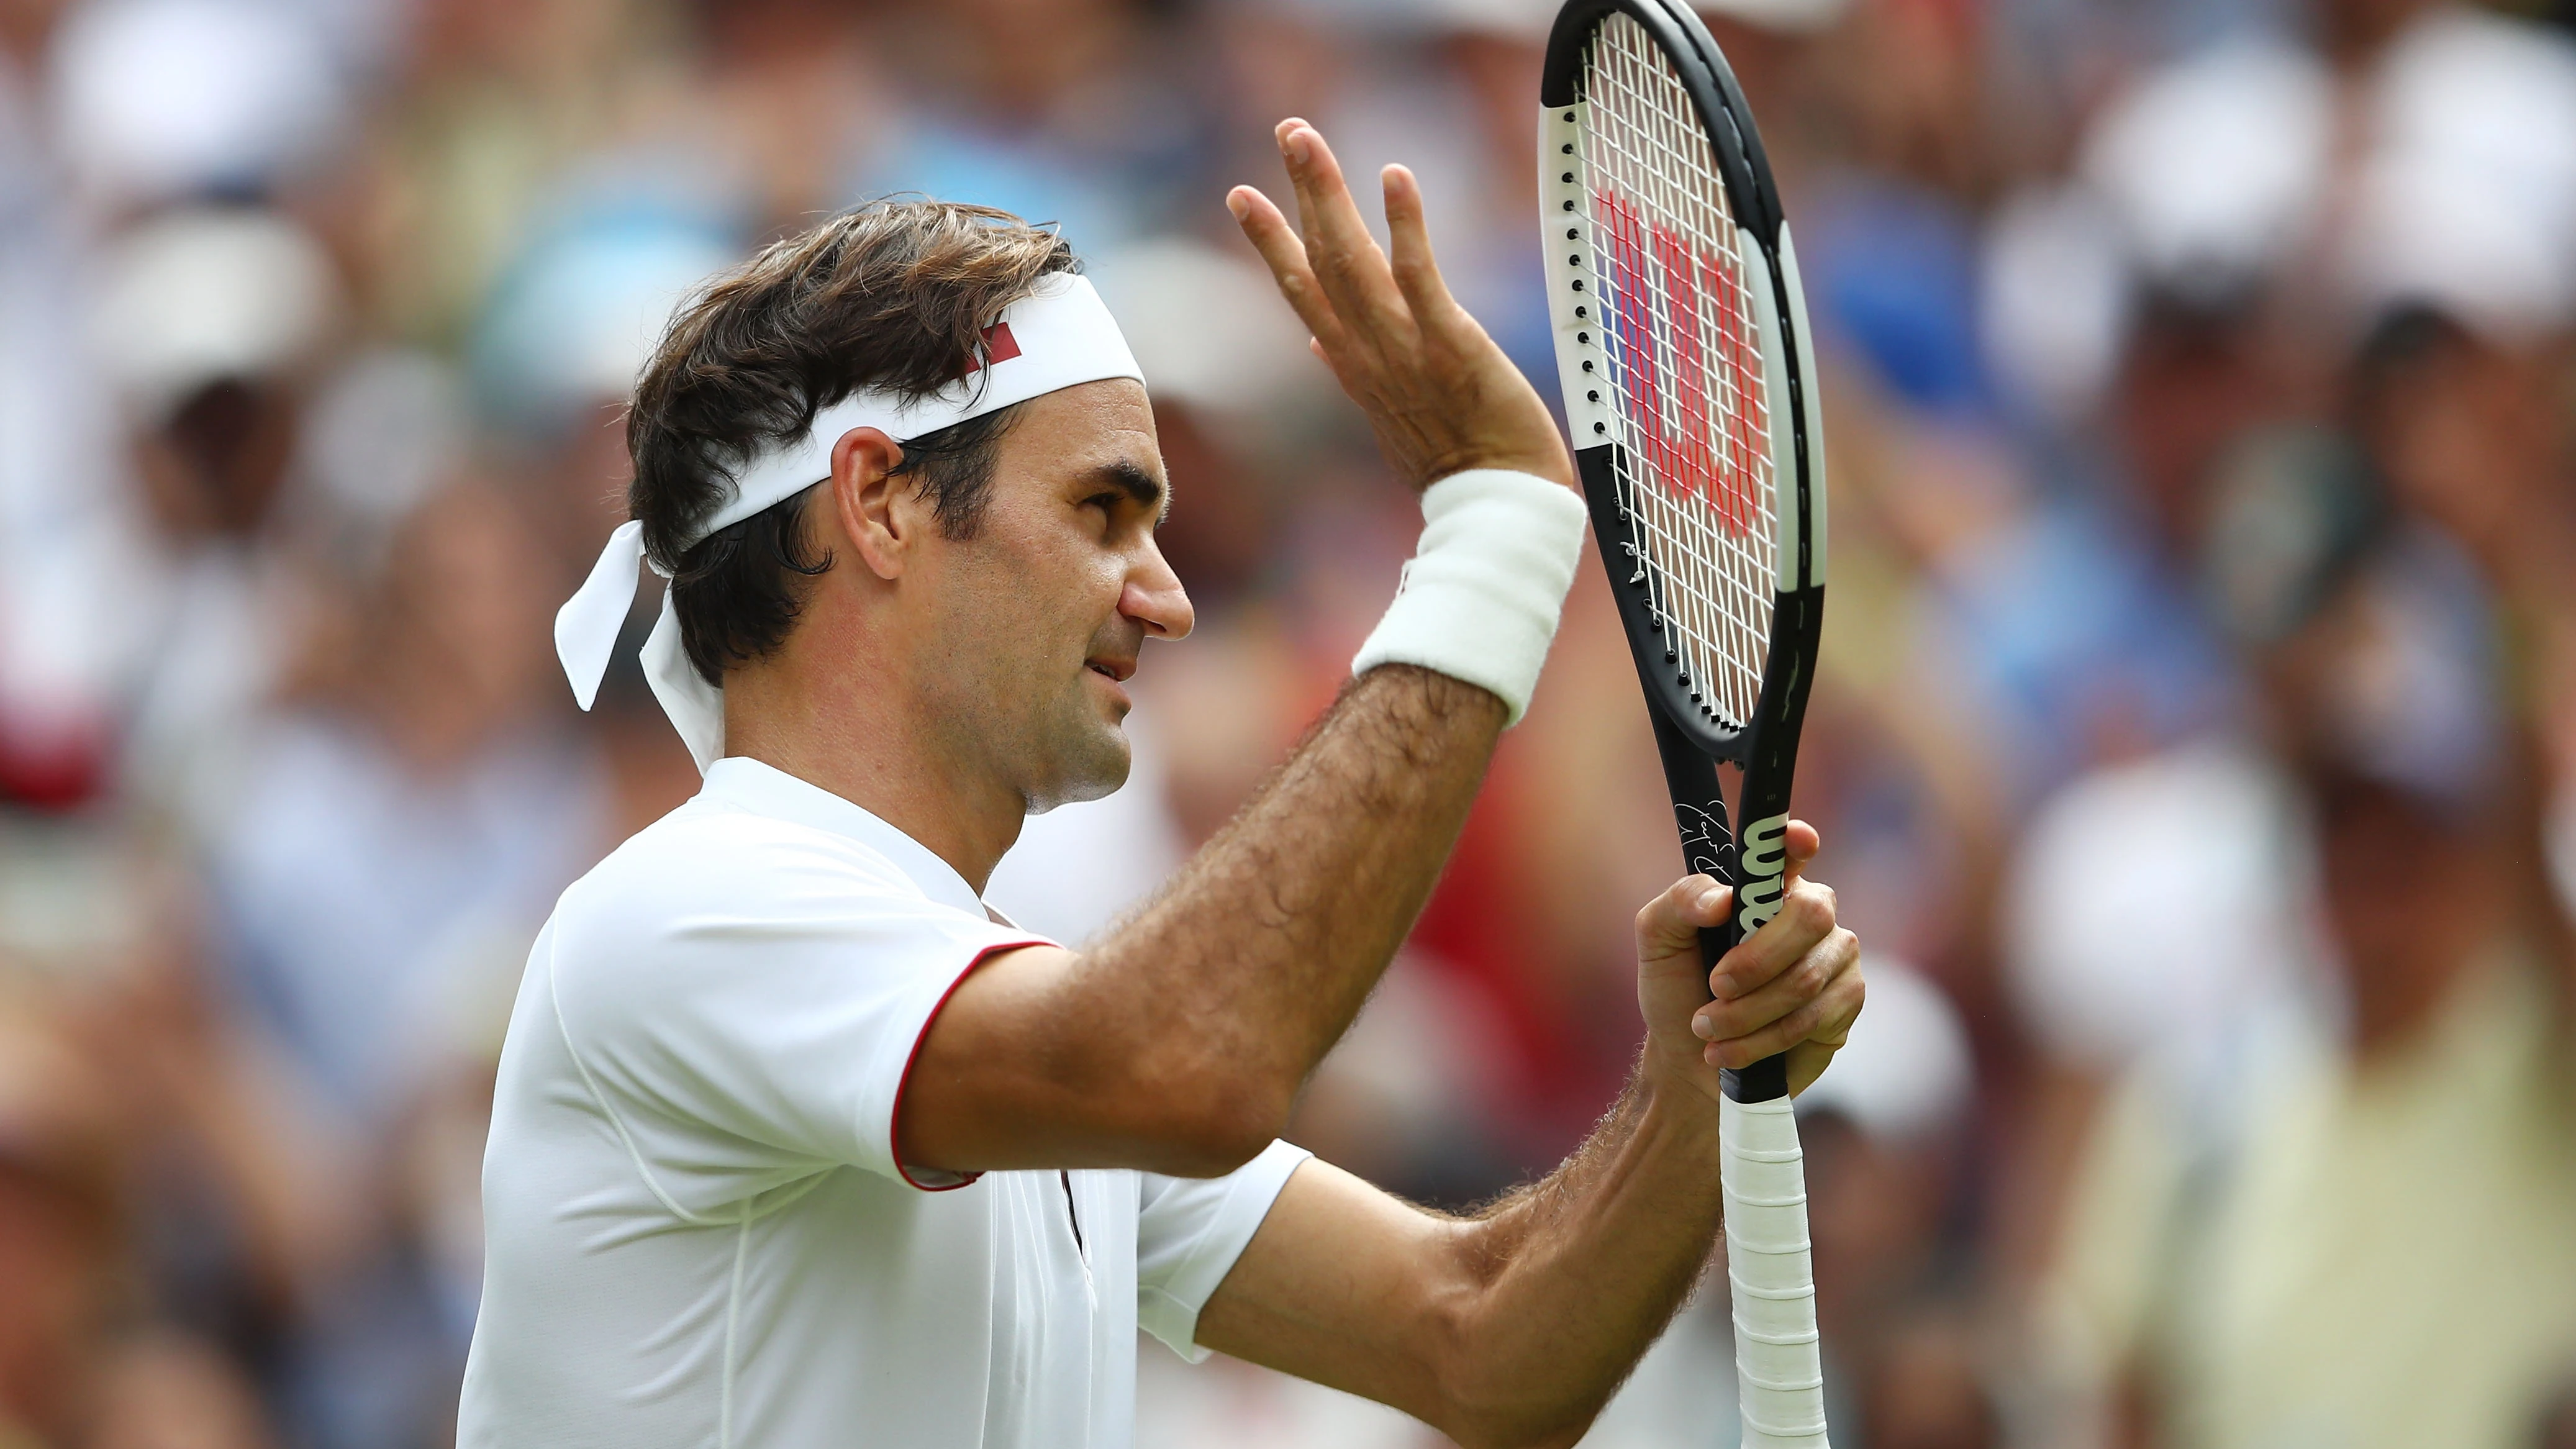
[2195,750]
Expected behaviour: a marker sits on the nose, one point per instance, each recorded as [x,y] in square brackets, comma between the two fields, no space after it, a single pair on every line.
[1154,597]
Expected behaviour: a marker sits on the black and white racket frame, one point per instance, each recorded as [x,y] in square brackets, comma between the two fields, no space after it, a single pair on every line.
[1690,737]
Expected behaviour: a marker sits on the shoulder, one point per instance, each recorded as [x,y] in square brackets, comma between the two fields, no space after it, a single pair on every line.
[708,855]
[764,980]
[715,898]
[712,897]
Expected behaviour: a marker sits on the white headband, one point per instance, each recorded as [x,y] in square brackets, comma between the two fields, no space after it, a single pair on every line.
[1058,336]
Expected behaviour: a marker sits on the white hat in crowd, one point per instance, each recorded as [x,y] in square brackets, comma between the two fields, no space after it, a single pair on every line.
[168,99]
[195,296]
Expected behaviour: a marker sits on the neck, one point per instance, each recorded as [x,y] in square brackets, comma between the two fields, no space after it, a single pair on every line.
[864,738]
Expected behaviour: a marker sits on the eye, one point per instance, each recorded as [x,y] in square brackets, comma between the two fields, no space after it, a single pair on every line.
[1112,508]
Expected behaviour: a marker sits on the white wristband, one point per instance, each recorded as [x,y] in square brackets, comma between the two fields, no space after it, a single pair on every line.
[1480,597]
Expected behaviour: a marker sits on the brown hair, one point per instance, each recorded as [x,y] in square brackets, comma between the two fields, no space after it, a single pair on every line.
[894,296]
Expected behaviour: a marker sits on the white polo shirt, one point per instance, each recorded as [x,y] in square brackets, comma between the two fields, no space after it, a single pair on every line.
[696,1229]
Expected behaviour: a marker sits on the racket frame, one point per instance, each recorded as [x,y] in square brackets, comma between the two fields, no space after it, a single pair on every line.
[1691,740]
[1770,1273]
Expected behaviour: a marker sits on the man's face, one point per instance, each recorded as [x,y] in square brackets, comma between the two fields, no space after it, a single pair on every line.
[1051,599]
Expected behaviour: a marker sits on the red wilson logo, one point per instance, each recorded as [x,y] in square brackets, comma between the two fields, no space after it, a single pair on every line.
[1685,357]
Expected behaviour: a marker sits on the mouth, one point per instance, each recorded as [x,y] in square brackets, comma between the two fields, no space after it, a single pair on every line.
[1117,671]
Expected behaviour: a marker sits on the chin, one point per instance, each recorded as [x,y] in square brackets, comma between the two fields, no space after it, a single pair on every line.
[1089,769]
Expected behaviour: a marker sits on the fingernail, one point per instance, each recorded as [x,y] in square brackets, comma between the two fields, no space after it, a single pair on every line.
[1235,202]
[1703,1028]
[1298,149]
[1709,899]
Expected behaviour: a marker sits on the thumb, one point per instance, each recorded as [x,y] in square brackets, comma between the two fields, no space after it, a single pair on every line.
[1670,923]
[1801,842]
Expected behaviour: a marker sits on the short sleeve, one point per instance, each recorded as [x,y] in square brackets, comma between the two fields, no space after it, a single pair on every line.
[1190,1230]
[755,1018]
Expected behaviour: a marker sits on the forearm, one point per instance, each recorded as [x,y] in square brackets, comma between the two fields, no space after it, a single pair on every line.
[1507,1329]
[1577,1275]
[1254,959]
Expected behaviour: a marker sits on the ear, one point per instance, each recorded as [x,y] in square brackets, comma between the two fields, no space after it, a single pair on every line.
[867,500]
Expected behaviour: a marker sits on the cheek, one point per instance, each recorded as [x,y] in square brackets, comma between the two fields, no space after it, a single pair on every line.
[1069,580]
[1040,597]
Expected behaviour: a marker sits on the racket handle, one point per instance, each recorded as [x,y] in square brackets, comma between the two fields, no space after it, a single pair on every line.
[1779,1370]
[1763,1081]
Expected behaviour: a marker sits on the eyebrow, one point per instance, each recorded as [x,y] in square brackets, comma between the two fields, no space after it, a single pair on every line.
[1139,485]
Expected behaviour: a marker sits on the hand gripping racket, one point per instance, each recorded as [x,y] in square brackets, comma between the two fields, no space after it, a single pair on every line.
[1682,341]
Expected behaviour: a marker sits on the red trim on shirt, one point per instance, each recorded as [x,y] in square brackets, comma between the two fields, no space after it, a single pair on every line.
[904,1084]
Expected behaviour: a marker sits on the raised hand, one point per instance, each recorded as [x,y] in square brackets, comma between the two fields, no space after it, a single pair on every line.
[1794,985]
[1439,394]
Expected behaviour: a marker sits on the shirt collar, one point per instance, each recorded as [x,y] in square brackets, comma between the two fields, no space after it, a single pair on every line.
[765,789]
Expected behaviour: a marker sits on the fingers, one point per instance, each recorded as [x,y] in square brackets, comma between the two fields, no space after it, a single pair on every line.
[1417,275]
[1809,1058]
[1806,916]
[1268,231]
[1670,923]
[1815,1001]
[1345,257]
[1439,394]
[1777,971]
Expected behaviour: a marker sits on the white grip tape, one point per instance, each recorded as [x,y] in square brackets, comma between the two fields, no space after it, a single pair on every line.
[1481,595]
[1779,1371]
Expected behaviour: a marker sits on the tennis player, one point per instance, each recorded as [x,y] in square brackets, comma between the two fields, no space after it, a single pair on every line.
[798,1144]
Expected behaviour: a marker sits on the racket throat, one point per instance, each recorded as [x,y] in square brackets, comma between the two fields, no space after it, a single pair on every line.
[1699,813]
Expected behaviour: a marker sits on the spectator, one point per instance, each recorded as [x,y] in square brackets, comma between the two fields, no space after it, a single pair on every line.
[377,878]
[212,322]
[2259,1192]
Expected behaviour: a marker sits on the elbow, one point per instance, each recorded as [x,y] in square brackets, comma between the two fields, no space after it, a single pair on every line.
[1488,1405]
[1205,1118]
[1226,1123]
[1521,1429]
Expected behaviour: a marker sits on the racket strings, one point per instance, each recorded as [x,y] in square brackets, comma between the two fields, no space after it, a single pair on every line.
[1685,370]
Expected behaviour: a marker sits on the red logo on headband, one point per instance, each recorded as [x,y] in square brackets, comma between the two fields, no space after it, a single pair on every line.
[999,346]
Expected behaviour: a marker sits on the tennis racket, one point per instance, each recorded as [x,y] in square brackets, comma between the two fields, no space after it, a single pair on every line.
[1682,342]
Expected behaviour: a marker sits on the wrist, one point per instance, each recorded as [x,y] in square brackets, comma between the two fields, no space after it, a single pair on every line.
[1684,1095]
[1556,467]
[1480,598]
